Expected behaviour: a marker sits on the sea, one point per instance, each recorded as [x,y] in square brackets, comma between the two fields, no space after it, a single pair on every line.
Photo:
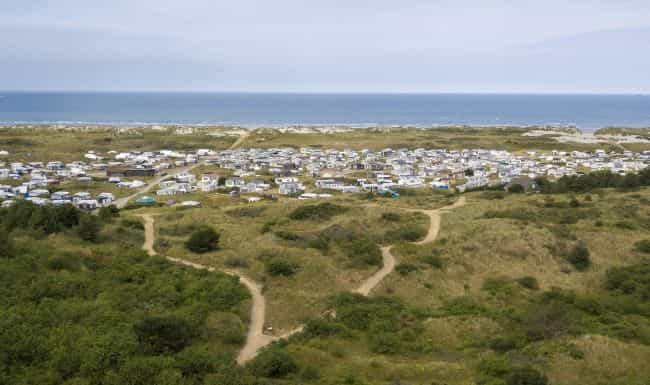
[586,112]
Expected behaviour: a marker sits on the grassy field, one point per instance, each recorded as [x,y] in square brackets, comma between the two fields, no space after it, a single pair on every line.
[467,292]
[510,139]
[254,234]
[39,144]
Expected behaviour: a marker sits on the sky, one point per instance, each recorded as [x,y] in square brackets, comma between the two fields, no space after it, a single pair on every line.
[428,46]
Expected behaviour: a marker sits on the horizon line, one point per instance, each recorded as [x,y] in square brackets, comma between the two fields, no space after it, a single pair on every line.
[150,91]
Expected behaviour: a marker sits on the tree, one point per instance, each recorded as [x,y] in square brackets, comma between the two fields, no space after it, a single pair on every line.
[163,334]
[203,240]
[89,227]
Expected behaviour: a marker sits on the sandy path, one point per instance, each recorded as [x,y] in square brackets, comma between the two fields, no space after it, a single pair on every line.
[256,339]
[388,258]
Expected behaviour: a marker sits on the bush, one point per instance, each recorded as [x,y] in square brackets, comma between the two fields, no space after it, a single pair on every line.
[494,367]
[390,217]
[630,280]
[503,344]
[462,306]
[579,257]
[409,232]
[433,260]
[526,376]
[89,227]
[643,246]
[319,243]
[384,343]
[405,268]
[321,211]
[310,373]
[323,328]
[528,282]
[203,240]
[278,266]
[365,251]
[107,213]
[163,334]
[274,363]
[132,224]
[6,244]
[287,235]
[498,286]
[516,189]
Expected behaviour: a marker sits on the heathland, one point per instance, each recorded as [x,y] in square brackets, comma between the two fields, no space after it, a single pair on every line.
[496,286]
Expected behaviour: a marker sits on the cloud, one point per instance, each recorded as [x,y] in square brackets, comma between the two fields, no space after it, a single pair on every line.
[353,45]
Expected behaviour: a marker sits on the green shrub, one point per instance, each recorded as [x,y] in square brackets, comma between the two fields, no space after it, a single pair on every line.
[273,362]
[494,367]
[516,188]
[364,252]
[6,244]
[633,280]
[391,217]
[310,373]
[462,306]
[321,211]
[579,257]
[643,246]
[287,235]
[203,240]
[433,260]
[503,344]
[405,268]
[195,362]
[498,286]
[526,376]
[89,227]
[528,282]
[323,328]
[132,224]
[163,334]
[409,232]
[319,243]
[246,212]
[107,213]
[384,343]
[279,266]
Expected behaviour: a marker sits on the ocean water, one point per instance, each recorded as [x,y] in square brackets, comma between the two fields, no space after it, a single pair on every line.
[271,109]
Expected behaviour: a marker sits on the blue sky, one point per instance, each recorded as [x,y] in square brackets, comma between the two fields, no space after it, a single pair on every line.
[577,46]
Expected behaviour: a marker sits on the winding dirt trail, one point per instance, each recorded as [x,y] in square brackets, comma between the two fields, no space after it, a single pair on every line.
[388,258]
[256,339]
